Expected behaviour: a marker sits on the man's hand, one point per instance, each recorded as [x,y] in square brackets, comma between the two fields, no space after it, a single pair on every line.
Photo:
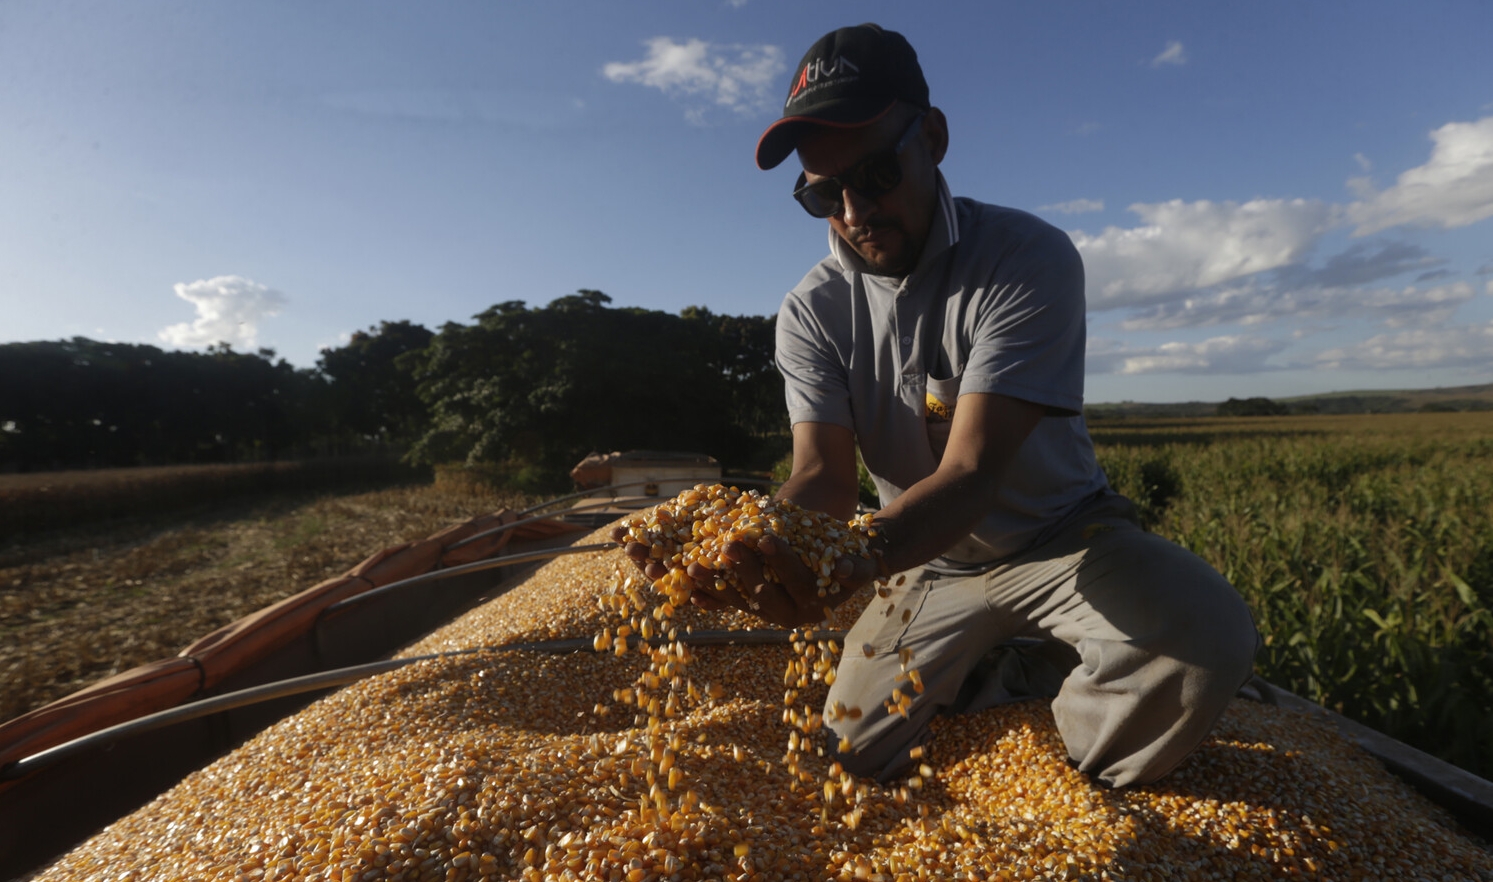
[653,570]
[792,601]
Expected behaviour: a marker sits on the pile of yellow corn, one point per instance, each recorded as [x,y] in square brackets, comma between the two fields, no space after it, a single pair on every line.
[505,766]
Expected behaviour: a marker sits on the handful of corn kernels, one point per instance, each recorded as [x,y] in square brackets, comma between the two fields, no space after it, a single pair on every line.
[696,526]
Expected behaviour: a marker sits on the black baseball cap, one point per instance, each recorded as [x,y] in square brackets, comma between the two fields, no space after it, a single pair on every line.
[849,78]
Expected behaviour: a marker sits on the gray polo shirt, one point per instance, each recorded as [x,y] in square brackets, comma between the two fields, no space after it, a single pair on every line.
[995,304]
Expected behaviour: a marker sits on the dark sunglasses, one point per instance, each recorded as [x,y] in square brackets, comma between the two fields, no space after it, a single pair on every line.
[871,177]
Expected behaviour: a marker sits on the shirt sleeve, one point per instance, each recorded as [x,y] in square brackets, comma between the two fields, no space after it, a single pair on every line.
[816,384]
[1029,332]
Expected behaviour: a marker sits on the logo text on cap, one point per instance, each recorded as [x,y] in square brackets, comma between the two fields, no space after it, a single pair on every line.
[818,69]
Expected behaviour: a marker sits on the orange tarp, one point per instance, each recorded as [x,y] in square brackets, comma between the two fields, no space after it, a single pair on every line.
[119,699]
[258,634]
[482,548]
[548,529]
[400,562]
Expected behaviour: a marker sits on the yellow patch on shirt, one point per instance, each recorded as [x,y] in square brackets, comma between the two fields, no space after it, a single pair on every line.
[937,411]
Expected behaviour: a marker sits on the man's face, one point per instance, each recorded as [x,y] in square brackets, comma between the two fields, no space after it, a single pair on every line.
[888,231]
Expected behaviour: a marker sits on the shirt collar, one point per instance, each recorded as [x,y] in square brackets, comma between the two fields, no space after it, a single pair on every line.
[942,235]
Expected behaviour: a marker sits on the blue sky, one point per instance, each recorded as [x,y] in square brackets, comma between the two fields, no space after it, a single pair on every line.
[1272,198]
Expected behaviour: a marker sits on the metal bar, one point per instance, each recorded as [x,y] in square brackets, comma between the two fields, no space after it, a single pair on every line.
[342,676]
[599,504]
[522,521]
[186,712]
[491,563]
[559,499]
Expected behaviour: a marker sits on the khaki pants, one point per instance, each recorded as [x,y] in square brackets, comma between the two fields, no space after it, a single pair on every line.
[1142,643]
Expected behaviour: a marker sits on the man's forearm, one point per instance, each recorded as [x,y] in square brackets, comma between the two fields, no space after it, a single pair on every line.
[938,511]
[818,494]
[824,472]
[932,516]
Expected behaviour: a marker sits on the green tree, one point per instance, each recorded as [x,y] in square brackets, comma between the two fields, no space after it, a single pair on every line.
[368,392]
[83,403]
[1252,407]
[541,387]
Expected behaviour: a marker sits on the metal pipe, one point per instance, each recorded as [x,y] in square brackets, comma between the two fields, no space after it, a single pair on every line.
[490,563]
[600,504]
[559,499]
[186,712]
[342,676]
[522,521]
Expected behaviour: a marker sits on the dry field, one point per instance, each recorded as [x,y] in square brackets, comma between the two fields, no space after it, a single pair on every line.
[81,604]
[32,502]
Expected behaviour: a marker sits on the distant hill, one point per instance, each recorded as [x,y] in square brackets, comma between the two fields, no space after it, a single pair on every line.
[1142,409]
[1451,398]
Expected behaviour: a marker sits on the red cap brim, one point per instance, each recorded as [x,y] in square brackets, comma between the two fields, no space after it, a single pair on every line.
[781,138]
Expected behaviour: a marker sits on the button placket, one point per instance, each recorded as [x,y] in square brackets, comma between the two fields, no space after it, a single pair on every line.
[912,385]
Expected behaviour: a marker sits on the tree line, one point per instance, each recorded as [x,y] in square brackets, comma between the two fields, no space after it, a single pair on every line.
[527,389]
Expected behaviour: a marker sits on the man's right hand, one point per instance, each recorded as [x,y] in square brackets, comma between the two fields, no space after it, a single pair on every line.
[653,570]
[792,600]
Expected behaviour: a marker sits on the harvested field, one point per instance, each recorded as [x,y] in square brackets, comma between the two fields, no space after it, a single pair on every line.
[82,604]
[34,501]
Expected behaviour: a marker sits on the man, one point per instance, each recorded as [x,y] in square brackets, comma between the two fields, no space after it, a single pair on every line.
[945,339]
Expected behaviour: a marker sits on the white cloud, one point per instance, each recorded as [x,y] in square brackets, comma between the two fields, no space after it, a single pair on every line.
[1172,54]
[1453,189]
[1075,206]
[1415,306]
[1420,348]
[1243,305]
[741,78]
[1362,187]
[229,309]
[1362,263]
[1216,355]
[1248,272]
[1254,305]
[1183,246]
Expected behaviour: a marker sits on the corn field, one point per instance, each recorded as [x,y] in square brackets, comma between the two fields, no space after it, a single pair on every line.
[1363,544]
